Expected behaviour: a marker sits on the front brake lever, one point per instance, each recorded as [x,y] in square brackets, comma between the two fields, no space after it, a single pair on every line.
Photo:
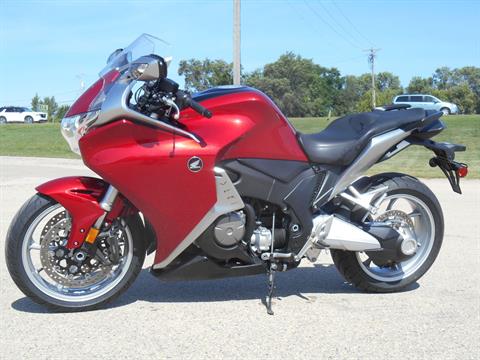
[172,104]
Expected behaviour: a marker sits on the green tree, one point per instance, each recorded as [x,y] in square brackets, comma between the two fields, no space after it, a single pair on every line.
[460,95]
[302,88]
[298,85]
[387,81]
[419,85]
[470,75]
[52,107]
[203,74]
[443,78]
[35,103]
[60,113]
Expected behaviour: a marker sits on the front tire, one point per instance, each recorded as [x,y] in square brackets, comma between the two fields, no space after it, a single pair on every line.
[428,226]
[49,287]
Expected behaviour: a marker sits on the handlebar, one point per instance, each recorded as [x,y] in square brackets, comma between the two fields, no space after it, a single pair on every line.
[156,95]
[187,100]
[200,109]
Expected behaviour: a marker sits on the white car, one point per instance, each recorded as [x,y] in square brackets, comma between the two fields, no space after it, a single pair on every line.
[20,114]
[427,102]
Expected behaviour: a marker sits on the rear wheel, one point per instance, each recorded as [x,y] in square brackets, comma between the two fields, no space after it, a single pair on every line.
[70,280]
[408,202]
[3,120]
[446,111]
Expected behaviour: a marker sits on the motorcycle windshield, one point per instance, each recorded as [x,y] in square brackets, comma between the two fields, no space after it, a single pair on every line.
[145,44]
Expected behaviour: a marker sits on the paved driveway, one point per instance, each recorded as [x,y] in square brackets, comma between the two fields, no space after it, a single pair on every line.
[317,315]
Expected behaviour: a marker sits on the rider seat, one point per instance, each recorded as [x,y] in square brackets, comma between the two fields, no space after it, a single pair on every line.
[343,140]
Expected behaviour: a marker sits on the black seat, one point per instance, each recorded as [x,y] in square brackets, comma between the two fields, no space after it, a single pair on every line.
[343,140]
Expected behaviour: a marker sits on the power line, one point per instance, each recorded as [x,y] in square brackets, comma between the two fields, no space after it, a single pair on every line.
[330,26]
[314,25]
[322,35]
[339,24]
[351,23]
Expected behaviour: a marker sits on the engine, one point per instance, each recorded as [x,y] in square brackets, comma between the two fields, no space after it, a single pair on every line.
[230,229]
[242,235]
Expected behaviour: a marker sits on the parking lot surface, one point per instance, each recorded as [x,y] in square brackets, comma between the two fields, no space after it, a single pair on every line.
[317,315]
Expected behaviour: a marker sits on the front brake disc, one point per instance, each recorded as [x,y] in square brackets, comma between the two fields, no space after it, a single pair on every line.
[58,262]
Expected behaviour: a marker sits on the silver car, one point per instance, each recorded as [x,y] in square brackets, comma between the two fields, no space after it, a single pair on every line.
[427,102]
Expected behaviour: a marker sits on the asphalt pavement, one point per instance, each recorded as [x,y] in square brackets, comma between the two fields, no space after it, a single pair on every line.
[317,315]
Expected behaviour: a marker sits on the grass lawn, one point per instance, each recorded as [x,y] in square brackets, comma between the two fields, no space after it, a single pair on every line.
[42,140]
[45,140]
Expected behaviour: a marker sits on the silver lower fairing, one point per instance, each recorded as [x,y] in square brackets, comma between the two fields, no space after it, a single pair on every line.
[228,200]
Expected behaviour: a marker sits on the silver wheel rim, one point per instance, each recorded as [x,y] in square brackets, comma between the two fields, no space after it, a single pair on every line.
[30,250]
[445,111]
[424,230]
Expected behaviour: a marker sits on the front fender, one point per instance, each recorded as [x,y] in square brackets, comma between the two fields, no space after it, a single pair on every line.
[80,196]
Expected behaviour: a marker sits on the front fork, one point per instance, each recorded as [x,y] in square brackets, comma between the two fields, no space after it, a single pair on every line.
[112,209]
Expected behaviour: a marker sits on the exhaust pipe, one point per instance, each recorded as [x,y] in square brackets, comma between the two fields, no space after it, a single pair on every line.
[335,233]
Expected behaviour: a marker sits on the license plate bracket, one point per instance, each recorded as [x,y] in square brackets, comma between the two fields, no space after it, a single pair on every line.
[451,170]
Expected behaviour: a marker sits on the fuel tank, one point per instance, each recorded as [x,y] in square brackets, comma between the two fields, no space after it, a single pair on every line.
[257,125]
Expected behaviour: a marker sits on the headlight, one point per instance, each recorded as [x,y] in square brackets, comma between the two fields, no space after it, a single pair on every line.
[74,127]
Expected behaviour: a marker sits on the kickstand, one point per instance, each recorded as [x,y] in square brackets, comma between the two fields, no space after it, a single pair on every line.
[271,287]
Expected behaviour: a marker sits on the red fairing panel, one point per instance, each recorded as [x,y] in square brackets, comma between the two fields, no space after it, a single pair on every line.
[149,167]
[80,196]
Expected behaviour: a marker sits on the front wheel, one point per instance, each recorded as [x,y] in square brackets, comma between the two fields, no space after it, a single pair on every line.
[28,120]
[408,201]
[70,280]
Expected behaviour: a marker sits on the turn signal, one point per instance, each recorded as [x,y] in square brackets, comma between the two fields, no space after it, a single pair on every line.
[462,171]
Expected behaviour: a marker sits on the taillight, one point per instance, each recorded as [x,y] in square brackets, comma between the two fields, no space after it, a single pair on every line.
[462,171]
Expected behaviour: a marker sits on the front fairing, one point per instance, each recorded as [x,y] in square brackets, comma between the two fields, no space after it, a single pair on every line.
[87,111]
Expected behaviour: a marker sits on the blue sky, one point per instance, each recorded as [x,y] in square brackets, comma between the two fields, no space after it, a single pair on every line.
[46,44]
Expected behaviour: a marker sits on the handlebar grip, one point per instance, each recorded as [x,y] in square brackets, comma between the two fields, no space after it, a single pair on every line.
[200,109]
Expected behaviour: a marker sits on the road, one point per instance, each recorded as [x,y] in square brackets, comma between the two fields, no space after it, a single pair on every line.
[317,315]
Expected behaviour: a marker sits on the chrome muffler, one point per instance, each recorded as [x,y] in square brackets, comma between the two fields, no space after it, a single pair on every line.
[342,235]
[331,232]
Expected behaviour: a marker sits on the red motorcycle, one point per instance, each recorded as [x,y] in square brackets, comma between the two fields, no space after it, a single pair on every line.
[220,184]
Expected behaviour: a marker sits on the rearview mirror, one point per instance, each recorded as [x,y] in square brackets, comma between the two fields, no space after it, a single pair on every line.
[147,68]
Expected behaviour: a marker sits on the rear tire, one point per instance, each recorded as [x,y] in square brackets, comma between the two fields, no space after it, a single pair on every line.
[15,259]
[446,111]
[348,263]
[3,120]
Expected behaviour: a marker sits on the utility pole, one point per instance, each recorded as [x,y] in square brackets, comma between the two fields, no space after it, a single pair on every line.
[236,42]
[371,59]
